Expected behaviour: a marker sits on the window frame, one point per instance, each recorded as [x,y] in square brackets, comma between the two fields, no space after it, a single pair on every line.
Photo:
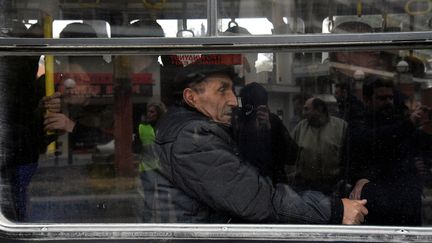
[219,44]
[215,44]
[226,232]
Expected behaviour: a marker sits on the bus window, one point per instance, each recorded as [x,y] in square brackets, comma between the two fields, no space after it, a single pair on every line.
[102,160]
[222,120]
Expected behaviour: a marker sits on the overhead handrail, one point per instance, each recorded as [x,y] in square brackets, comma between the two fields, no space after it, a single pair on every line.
[409,7]
[232,22]
[185,29]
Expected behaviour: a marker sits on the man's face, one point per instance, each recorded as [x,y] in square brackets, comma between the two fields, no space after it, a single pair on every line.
[382,101]
[309,112]
[76,86]
[215,98]
[340,94]
[152,114]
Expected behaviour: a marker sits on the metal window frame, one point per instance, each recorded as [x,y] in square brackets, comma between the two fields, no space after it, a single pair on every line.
[215,44]
[219,44]
[226,232]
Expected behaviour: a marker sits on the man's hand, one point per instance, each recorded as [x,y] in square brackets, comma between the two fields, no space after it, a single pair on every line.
[420,166]
[356,192]
[354,211]
[420,115]
[58,122]
[263,117]
[52,103]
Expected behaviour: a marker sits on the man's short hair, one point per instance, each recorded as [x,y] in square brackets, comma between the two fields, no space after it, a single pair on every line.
[159,106]
[78,30]
[373,82]
[142,28]
[319,105]
[254,94]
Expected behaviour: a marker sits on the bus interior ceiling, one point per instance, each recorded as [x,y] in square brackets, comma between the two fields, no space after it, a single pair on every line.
[312,12]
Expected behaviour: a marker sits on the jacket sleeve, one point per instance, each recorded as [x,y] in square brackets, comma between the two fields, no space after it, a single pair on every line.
[207,167]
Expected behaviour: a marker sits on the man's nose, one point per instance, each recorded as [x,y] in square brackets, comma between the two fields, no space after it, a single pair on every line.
[232,99]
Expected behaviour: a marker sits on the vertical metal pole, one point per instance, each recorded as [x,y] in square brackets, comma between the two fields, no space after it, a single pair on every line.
[49,70]
[212,17]
[4,6]
[123,130]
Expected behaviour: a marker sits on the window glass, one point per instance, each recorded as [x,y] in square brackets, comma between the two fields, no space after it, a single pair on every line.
[341,124]
[240,17]
[183,18]
[300,17]
[256,129]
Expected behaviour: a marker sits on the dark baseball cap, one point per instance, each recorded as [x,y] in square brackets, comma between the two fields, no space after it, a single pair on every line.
[195,73]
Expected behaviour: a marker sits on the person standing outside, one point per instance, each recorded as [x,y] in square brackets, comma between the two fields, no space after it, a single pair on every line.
[320,138]
[380,151]
[148,162]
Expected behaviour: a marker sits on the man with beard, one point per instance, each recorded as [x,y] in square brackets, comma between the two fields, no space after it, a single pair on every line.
[320,138]
[380,147]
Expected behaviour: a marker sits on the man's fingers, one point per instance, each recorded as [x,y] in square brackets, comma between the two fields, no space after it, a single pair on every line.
[51,118]
[52,103]
[363,209]
[359,219]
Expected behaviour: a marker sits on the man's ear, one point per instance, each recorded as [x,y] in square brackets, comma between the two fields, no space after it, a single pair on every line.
[189,96]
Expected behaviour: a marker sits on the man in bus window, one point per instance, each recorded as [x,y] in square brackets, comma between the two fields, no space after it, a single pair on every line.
[382,145]
[206,179]
[320,138]
[26,138]
[263,139]
[84,122]
[349,67]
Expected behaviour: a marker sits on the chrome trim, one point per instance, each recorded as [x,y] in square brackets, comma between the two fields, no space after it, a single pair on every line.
[221,44]
[212,13]
[264,232]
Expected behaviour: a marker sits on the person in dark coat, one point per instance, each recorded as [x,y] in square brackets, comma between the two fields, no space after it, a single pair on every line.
[203,176]
[380,151]
[261,135]
[25,134]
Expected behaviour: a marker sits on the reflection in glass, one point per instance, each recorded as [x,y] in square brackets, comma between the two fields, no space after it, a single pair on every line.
[106,137]
[189,18]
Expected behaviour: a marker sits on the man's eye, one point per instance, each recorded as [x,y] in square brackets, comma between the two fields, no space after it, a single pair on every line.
[222,89]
